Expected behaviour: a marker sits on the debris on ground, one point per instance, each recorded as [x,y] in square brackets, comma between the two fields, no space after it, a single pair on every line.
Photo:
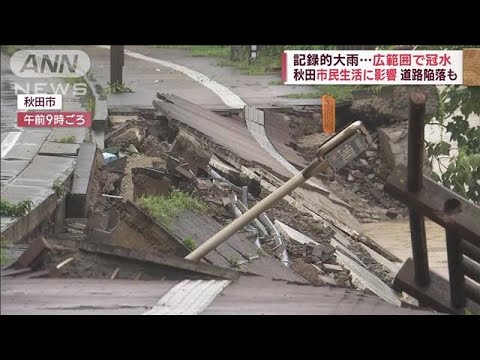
[290,241]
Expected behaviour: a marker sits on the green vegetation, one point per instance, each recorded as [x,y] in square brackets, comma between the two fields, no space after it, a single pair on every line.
[9,49]
[339,92]
[165,209]
[190,243]
[3,253]
[73,80]
[463,173]
[66,140]
[90,107]
[59,188]
[469,312]
[116,88]
[234,263]
[20,209]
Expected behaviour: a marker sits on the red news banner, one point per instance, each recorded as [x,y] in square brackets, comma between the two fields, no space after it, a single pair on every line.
[54,118]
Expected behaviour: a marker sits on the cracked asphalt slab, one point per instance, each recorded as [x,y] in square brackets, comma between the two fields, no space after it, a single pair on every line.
[80,296]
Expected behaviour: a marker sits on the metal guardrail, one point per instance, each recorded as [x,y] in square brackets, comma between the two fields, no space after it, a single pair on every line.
[459,217]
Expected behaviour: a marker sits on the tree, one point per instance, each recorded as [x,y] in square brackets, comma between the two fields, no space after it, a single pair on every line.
[463,173]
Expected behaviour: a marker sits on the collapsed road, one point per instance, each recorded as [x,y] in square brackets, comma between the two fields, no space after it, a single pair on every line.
[180,174]
[124,240]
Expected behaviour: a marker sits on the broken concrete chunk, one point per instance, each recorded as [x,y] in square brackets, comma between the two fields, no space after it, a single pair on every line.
[226,201]
[370,154]
[332,268]
[185,172]
[132,149]
[317,251]
[319,271]
[363,162]
[328,249]
[149,182]
[119,164]
[327,280]
[33,255]
[292,234]
[191,151]
[123,139]
[97,220]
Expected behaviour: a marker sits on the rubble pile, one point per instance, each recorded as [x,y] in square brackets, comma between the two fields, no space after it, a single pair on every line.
[120,239]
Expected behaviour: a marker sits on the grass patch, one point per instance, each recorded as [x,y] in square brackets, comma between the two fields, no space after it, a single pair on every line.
[59,188]
[190,243]
[4,258]
[339,92]
[73,80]
[263,65]
[116,88]
[66,140]
[222,51]
[165,209]
[20,209]
[210,51]
[90,107]
[234,263]
[9,49]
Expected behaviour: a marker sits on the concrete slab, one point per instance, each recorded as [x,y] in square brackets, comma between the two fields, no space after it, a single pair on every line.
[80,296]
[260,296]
[293,234]
[58,149]
[28,144]
[11,168]
[79,133]
[98,137]
[35,184]
[240,253]
[77,199]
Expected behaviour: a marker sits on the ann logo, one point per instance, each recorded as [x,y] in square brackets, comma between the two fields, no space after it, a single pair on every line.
[58,64]
[49,63]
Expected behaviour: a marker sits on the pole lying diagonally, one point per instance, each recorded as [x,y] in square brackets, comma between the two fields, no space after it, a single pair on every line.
[337,151]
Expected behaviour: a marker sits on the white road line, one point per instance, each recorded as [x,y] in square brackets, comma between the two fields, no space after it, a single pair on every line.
[226,95]
[9,142]
[189,297]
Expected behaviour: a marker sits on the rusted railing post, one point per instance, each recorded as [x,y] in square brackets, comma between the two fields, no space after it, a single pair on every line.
[416,132]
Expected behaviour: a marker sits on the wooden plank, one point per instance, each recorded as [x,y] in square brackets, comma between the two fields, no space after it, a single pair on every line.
[436,295]
[471,269]
[432,199]
[470,250]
